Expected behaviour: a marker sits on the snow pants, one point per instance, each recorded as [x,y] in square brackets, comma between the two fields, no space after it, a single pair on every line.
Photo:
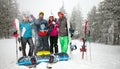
[24,41]
[42,44]
[64,41]
[53,44]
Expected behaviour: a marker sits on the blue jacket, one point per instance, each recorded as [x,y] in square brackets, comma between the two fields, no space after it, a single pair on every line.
[26,29]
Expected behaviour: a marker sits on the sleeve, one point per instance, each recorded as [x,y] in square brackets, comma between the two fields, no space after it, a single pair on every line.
[36,26]
[66,23]
[56,25]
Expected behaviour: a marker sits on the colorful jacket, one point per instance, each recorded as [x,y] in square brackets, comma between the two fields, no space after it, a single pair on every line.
[41,27]
[54,28]
[26,29]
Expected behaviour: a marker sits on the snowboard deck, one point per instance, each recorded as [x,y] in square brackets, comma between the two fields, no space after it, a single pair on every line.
[27,61]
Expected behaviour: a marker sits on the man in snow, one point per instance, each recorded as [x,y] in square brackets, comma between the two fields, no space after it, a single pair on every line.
[63,32]
[42,31]
[26,35]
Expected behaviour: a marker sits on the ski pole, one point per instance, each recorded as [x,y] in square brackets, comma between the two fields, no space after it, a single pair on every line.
[16,50]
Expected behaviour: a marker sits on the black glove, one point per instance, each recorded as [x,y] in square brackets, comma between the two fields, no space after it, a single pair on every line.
[20,48]
[19,39]
[15,32]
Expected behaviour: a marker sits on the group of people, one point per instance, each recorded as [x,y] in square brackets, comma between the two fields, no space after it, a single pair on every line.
[45,31]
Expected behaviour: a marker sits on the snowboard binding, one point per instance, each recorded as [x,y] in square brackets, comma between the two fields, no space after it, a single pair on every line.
[33,61]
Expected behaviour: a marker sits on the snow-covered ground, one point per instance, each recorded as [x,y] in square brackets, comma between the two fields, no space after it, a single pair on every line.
[103,57]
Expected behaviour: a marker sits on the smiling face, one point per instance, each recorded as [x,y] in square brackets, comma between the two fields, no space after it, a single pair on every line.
[51,18]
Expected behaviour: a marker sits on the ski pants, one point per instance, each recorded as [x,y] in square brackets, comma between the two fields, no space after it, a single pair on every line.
[64,41]
[42,44]
[53,44]
[24,41]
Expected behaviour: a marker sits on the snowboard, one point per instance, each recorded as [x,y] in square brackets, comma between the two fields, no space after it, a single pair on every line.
[34,60]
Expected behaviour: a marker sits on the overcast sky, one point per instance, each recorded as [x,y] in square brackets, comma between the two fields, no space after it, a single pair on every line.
[35,6]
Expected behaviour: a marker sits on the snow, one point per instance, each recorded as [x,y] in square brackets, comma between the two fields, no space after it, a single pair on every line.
[102,57]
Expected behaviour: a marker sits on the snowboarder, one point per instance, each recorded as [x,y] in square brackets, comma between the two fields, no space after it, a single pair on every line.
[63,32]
[53,26]
[26,35]
[42,46]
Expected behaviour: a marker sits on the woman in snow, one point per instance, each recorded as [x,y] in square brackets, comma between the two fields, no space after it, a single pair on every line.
[26,35]
[53,27]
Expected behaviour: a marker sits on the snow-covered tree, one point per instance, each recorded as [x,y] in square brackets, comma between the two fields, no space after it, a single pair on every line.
[8,12]
[111,11]
[76,21]
[105,23]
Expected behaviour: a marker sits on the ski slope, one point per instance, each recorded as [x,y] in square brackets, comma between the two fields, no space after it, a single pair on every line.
[102,57]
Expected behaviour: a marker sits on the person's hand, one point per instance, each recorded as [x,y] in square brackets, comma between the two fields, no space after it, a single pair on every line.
[20,48]
[53,22]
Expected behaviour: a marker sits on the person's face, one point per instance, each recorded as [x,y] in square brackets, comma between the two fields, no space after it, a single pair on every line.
[51,19]
[60,15]
[26,19]
[41,15]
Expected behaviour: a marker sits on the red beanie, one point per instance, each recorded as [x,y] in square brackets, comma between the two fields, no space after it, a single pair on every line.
[61,13]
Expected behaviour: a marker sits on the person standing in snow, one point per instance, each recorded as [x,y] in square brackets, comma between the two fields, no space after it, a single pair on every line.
[42,34]
[63,32]
[53,27]
[26,35]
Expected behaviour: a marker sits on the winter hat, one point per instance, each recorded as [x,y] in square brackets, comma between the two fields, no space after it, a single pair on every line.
[51,16]
[41,13]
[26,14]
[61,13]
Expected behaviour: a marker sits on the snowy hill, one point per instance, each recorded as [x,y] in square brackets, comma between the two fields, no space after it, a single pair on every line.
[103,57]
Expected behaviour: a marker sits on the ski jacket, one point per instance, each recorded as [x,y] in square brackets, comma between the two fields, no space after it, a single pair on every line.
[53,26]
[63,30]
[26,29]
[41,27]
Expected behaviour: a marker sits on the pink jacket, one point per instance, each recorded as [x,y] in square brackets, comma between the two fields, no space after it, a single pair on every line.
[54,31]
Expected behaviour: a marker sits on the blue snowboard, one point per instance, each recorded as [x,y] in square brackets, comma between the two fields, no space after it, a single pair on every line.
[26,61]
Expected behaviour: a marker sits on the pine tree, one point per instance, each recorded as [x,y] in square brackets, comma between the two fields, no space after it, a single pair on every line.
[8,12]
[111,13]
[105,23]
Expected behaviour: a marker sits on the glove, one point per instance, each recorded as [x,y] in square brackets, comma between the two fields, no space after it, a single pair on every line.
[20,48]
[15,34]
[53,22]
[19,40]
